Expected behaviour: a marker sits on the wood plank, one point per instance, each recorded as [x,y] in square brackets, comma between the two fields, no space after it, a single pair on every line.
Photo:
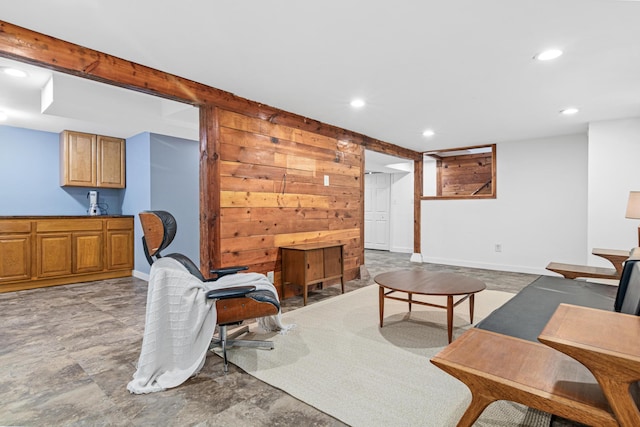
[277,175]
[249,257]
[281,226]
[232,183]
[253,141]
[235,244]
[236,153]
[340,236]
[340,223]
[235,214]
[254,171]
[259,125]
[258,199]
[273,214]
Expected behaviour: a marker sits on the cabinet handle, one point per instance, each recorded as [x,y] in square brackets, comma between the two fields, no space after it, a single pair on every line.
[308,266]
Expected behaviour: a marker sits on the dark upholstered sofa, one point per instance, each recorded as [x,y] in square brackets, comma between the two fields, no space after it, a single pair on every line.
[527,313]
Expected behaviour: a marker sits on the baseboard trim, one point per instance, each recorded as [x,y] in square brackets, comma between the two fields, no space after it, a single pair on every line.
[140,275]
[416,257]
[487,266]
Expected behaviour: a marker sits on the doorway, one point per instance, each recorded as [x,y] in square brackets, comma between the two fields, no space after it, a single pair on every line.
[377,193]
[388,203]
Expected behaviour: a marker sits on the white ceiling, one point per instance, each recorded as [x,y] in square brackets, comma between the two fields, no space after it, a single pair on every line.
[461,67]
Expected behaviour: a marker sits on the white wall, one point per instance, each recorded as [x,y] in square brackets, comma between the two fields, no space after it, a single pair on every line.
[614,170]
[539,215]
[401,213]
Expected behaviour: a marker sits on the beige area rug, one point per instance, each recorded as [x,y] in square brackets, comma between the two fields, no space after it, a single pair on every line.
[338,360]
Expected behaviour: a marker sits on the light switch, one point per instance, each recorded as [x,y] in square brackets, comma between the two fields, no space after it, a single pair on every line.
[326,180]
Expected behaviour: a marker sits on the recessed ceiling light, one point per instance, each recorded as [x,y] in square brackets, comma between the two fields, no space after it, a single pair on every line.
[3,116]
[548,55]
[569,111]
[428,133]
[14,72]
[357,103]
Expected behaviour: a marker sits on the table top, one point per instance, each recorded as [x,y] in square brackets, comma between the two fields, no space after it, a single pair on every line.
[598,331]
[619,253]
[312,246]
[429,283]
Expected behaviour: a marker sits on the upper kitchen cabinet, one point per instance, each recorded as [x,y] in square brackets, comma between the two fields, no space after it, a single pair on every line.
[88,160]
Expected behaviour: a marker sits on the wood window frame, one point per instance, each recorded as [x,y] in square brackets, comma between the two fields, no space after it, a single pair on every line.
[492,194]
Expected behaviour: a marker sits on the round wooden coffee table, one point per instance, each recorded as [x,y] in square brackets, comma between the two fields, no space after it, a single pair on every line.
[422,282]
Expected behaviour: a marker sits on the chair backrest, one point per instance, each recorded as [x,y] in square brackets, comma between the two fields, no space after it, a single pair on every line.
[159,229]
[628,297]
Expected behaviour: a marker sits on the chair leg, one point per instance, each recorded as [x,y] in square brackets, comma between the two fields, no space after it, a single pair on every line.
[225,340]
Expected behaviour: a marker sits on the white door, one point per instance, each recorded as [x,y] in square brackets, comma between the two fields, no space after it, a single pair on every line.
[377,190]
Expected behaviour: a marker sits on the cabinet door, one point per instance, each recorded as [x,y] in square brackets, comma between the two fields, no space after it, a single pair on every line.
[119,249]
[15,257]
[333,261]
[53,256]
[88,252]
[315,265]
[78,159]
[111,161]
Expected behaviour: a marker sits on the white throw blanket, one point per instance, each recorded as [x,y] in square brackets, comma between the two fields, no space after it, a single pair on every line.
[180,322]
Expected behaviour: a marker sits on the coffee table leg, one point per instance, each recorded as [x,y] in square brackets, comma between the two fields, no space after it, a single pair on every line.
[450,317]
[381,303]
[410,299]
[471,302]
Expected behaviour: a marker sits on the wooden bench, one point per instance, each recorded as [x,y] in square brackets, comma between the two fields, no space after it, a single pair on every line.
[574,271]
[500,367]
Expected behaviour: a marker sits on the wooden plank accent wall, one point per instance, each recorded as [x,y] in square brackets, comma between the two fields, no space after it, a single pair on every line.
[272,193]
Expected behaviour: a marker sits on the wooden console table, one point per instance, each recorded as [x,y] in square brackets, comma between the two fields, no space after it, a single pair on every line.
[304,265]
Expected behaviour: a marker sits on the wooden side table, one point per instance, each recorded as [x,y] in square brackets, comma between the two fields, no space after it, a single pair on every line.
[617,257]
[606,343]
[308,264]
[500,367]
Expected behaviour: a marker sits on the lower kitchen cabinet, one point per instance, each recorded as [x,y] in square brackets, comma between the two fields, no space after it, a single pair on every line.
[47,251]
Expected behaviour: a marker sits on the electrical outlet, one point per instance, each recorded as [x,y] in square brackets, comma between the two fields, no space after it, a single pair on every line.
[498,247]
[270,276]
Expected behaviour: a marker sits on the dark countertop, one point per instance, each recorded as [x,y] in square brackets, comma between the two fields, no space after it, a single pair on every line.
[62,216]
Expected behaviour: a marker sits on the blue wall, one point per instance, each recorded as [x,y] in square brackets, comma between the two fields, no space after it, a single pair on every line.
[137,196]
[30,177]
[162,173]
[175,187]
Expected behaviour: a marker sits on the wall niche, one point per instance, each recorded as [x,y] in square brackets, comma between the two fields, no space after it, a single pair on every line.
[460,173]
